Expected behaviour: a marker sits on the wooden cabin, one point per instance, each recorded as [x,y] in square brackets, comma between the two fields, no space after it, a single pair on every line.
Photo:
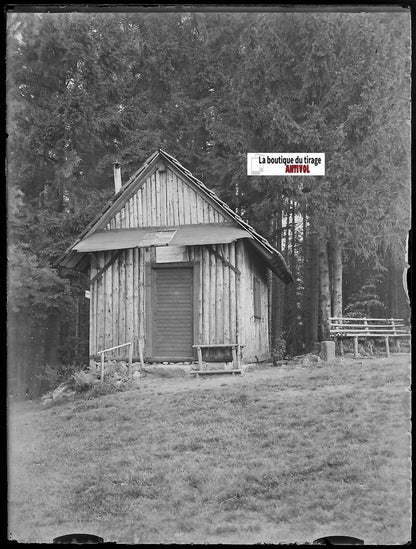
[172,266]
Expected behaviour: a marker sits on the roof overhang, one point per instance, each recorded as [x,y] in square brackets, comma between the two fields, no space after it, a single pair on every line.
[187,235]
[76,257]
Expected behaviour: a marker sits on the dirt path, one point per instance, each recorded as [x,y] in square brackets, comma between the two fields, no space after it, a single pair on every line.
[262,372]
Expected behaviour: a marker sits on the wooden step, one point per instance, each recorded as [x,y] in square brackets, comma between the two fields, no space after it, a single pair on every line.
[213,372]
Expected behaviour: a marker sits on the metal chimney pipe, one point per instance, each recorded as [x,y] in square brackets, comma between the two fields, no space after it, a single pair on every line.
[117,176]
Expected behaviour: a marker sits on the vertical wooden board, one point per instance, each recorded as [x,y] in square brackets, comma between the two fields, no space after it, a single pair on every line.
[168,185]
[191,204]
[199,216]
[210,213]
[175,199]
[135,303]
[244,297]
[126,215]
[129,295]
[153,200]
[188,192]
[226,295]
[130,208]
[108,320]
[144,202]
[92,344]
[115,300]
[179,200]
[149,298]
[186,206]
[148,203]
[194,199]
[134,217]
[165,198]
[241,296]
[139,208]
[212,284]
[198,259]
[127,221]
[142,293]
[122,299]
[194,255]
[162,198]
[221,218]
[245,306]
[219,312]
[94,334]
[203,211]
[264,338]
[233,289]
[100,308]
[205,294]
[157,198]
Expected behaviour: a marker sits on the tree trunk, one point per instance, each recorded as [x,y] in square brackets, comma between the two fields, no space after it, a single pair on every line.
[292,343]
[278,293]
[312,314]
[335,259]
[287,231]
[306,301]
[325,296]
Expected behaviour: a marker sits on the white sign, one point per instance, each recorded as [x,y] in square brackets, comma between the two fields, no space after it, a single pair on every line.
[171,254]
[285,163]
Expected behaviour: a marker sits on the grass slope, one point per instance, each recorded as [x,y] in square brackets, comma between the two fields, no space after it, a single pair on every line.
[279,455]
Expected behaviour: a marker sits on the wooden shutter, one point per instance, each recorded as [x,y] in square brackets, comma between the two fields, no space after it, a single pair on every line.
[257,297]
[172,315]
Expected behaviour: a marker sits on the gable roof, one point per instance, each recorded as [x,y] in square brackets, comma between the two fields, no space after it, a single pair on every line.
[73,259]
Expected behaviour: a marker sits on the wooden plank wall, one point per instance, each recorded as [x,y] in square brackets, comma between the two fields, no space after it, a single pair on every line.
[118,302]
[117,305]
[217,298]
[254,332]
[165,200]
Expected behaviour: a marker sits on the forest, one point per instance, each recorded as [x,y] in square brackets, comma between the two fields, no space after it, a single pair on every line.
[86,89]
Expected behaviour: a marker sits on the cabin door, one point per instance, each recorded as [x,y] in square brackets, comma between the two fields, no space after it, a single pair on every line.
[172,312]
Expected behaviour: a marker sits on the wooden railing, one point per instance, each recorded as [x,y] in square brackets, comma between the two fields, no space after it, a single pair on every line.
[371,328]
[130,360]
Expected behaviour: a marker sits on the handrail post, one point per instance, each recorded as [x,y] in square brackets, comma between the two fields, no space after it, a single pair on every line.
[141,356]
[130,360]
[102,367]
[102,353]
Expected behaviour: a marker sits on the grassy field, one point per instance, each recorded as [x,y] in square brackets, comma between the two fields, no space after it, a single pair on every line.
[283,454]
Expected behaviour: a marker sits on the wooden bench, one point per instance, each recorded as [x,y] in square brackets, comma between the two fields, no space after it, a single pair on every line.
[368,328]
[214,372]
[233,350]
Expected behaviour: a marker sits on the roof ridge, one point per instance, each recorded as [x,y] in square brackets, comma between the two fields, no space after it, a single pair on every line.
[220,202]
[262,241]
